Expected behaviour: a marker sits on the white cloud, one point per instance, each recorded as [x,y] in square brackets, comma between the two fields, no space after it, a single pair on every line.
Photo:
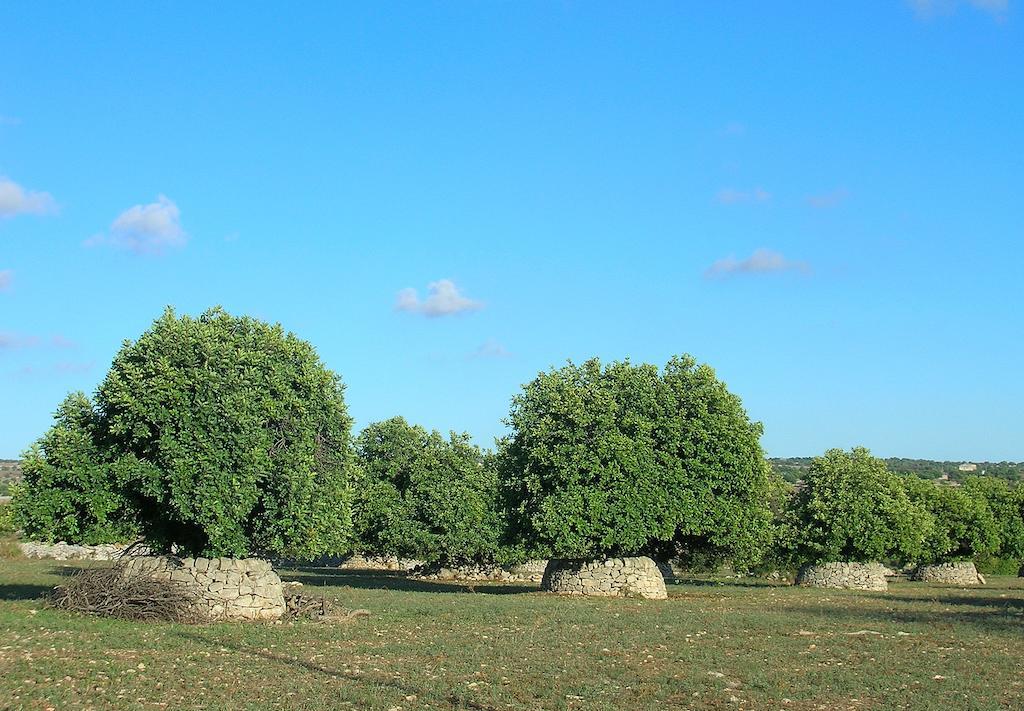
[13,341]
[762,261]
[731,196]
[491,349]
[145,229]
[927,9]
[828,200]
[56,369]
[733,128]
[16,200]
[6,279]
[443,299]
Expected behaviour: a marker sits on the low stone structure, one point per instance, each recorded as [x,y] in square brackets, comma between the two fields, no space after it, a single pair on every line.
[69,551]
[225,588]
[615,577]
[531,571]
[957,573]
[851,576]
[384,562]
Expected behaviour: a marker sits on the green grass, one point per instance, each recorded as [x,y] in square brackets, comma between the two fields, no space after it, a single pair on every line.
[437,646]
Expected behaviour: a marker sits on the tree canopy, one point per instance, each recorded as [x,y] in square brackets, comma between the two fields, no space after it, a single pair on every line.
[424,497]
[963,527]
[1006,502]
[623,459]
[852,508]
[218,435]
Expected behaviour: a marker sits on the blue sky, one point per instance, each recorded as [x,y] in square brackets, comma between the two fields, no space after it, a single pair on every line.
[823,201]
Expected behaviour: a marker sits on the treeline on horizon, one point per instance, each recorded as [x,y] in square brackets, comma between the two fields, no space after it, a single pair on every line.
[792,469]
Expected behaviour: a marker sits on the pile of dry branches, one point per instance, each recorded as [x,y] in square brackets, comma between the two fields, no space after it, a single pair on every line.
[318,607]
[116,592]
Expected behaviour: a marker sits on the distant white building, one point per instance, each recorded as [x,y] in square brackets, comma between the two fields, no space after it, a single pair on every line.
[968,467]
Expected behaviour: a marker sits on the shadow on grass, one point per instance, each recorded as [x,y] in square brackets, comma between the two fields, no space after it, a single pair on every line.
[1010,604]
[390,580]
[369,681]
[23,592]
[999,618]
[695,581]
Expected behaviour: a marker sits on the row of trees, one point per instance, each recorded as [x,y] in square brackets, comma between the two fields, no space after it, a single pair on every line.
[850,507]
[226,436]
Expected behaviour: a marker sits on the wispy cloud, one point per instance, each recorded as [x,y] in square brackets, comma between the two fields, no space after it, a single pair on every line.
[733,128]
[443,299]
[61,368]
[762,261]
[491,349]
[732,196]
[927,9]
[6,279]
[824,201]
[145,229]
[16,200]
[14,341]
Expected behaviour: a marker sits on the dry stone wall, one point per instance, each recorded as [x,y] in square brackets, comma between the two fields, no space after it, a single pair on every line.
[69,551]
[225,588]
[383,562]
[615,577]
[852,576]
[957,573]
[529,572]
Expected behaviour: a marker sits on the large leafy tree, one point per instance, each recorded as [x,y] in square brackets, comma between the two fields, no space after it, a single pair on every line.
[1006,502]
[69,491]
[218,435]
[852,508]
[423,496]
[623,459]
[963,526]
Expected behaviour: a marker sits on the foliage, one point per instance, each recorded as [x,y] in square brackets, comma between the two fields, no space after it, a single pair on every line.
[7,524]
[69,492]
[421,496]
[993,565]
[963,527]
[624,459]
[851,508]
[1006,502]
[221,435]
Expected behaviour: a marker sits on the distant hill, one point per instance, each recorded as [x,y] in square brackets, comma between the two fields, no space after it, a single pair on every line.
[10,473]
[793,468]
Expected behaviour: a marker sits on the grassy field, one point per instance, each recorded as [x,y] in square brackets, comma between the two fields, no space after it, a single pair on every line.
[728,644]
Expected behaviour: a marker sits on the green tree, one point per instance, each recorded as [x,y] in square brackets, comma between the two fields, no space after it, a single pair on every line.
[1006,502]
[963,527]
[69,492]
[422,496]
[624,459]
[219,435]
[851,508]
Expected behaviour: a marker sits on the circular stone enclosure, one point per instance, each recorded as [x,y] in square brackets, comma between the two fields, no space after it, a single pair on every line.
[225,588]
[615,577]
[844,576]
[957,573]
